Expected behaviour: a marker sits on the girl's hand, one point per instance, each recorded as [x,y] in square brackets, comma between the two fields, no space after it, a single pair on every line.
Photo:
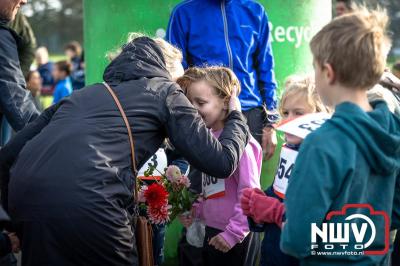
[15,244]
[186,219]
[234,103]
[219,243]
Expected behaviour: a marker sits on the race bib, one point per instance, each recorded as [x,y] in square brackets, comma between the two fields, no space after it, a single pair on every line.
[304,125]
[159,161]
[213,187]
[285,167]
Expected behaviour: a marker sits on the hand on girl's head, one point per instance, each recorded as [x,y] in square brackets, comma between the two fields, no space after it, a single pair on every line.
[234,103]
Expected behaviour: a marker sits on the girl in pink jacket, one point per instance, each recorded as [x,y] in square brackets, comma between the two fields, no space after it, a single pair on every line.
[227,238]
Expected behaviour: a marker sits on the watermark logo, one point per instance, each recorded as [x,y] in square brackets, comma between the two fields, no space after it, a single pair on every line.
[354,236]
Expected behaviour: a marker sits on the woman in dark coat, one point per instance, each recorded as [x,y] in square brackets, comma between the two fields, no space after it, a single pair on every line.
[70,184]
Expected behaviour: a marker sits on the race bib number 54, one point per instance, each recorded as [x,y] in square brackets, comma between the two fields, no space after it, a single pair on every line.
[285,167]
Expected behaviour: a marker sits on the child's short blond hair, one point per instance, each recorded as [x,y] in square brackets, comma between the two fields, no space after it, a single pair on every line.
[355,45]
[302,86]
[222,79]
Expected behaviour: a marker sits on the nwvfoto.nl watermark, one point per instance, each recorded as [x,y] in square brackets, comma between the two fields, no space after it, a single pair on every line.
[333,238]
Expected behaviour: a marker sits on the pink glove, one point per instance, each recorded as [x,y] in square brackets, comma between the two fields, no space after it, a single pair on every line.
[266,209]
[245,199]
[259,191]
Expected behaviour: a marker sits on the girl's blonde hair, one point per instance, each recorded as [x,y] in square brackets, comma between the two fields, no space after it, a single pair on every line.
[191,75]
[222,79]
[303,86]
[172,55]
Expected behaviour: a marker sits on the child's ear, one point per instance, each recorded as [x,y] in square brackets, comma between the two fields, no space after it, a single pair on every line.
[330,74]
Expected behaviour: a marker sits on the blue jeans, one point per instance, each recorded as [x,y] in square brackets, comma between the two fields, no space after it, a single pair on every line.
[158,243]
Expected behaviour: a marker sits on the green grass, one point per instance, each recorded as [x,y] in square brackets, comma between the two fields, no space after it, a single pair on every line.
[57,57]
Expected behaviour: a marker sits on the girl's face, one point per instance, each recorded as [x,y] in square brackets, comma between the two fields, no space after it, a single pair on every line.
[293,107]
[211,107]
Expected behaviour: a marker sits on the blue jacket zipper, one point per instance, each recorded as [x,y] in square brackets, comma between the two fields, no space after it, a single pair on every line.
[226,34]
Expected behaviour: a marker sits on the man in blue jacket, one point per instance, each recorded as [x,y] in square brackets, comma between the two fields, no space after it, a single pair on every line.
[233,33]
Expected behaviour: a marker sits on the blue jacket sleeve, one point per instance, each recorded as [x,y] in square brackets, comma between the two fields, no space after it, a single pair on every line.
[314,179]
[265,65]
[176,32]
[16,103]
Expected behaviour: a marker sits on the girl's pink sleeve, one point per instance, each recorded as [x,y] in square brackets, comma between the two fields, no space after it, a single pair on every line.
[247,176]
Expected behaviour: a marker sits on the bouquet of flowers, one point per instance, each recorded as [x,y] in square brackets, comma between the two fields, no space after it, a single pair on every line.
[166,197]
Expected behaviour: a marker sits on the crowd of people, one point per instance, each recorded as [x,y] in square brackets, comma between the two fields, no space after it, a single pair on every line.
[211,100]
[59,79]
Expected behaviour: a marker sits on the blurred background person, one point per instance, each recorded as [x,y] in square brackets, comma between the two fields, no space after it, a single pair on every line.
[73,51]
[61,75]
[45,69]
[34,84]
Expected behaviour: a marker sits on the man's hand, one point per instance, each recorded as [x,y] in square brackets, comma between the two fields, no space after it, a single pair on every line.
[219,243]
[15,245]
[269,142]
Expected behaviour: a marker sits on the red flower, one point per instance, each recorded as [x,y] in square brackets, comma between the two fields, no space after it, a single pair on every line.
[156,195]
[159,214]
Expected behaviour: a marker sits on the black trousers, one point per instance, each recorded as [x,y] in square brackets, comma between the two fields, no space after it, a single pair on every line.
[255,119]
[189,255]
[237,256]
